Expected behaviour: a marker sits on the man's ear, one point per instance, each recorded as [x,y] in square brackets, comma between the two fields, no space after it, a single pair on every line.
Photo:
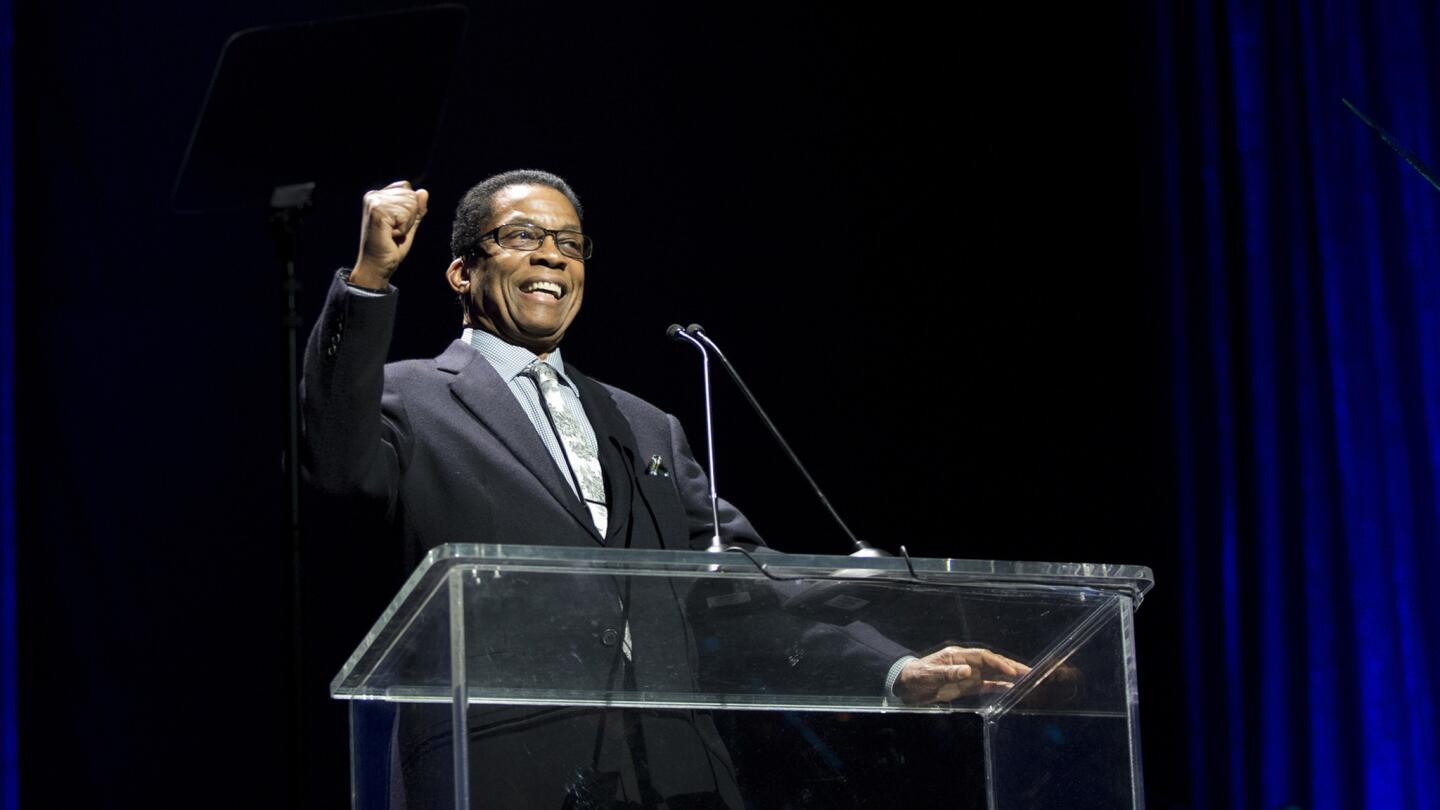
[459,276]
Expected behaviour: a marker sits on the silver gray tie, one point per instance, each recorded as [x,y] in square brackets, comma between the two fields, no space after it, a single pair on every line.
[582,454]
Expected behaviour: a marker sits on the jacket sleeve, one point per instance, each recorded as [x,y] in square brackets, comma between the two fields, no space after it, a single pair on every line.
[811,656]
[694,486]
[354,440]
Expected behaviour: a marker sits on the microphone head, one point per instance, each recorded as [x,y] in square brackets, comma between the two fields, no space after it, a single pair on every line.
[673,331]
[695,329]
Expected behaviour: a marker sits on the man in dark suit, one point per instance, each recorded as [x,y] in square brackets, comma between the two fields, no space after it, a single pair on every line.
[447,447]
[481,444]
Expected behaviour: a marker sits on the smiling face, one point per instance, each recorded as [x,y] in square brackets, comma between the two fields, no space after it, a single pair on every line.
[524,297]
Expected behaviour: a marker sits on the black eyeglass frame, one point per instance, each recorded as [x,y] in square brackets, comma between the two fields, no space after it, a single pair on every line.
[587,244]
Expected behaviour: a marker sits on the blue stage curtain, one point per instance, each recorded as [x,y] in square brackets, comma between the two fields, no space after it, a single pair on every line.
[1304,264]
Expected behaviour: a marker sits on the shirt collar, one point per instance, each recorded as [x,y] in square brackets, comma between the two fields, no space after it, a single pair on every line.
[509,360]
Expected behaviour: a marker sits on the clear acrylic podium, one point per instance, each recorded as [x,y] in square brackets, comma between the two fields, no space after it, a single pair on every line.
[510,642]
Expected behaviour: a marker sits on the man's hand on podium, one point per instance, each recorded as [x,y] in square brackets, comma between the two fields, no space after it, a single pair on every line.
[954,672]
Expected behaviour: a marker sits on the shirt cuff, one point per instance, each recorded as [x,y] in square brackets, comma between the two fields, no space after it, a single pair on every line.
[894,675]
[364,292]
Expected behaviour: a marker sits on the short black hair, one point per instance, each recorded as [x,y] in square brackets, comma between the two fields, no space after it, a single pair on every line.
[477,206]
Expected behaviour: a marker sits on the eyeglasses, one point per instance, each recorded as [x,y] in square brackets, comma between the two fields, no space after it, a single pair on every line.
[523,236]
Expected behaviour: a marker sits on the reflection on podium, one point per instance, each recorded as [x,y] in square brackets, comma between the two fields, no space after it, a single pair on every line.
[739,685]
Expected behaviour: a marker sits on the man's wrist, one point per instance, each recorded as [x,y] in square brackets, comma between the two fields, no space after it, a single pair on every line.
[363,284]
[894,674]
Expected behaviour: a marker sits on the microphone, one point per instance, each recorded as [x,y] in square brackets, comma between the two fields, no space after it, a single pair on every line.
[678,333]
[694,331]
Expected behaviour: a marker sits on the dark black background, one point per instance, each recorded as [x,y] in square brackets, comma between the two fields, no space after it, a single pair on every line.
[921,236]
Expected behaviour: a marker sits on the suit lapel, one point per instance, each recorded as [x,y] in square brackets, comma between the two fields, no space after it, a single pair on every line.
[488,398]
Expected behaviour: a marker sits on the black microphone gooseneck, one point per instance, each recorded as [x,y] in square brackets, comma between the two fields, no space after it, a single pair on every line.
[695,330]
[675,332]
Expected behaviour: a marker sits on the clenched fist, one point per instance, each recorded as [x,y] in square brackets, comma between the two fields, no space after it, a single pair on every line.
[387,230]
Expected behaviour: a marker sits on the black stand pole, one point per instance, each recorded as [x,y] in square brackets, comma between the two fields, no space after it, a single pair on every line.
[288,207]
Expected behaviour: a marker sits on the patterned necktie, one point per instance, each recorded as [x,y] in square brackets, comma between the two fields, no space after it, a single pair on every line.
[582,455]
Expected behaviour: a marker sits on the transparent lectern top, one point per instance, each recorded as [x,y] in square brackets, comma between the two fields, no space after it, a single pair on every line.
[543,625]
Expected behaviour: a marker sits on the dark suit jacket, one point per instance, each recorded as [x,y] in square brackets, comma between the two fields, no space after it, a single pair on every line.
[439,451]
[449,455]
